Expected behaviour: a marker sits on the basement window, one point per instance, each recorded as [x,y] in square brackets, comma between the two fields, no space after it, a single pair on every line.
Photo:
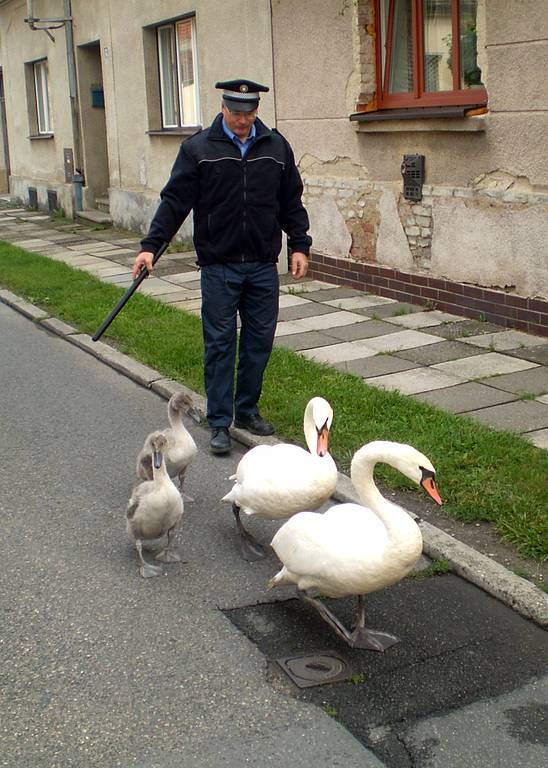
[427,54]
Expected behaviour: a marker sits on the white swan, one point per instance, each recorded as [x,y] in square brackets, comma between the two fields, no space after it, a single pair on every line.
[155,508]
[353,549]
[276,481]
[181,447]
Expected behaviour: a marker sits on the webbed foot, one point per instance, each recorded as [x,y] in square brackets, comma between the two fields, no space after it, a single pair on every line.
[148,571]
[371,640]
[168,556]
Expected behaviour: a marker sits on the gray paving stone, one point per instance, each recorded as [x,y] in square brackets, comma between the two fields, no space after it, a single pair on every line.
[394,342]
[361,301]
[331,293]
[482,365]
[538,437]
[503,340]
[366,330]
[383,311]
[533,381]
[425,319]
[464,329]
[310,309]
[171,297]
[317,322]
[379,365]
[290,285]
[534,354]
[440,353]
[154,286]
[298,341]
[465,397]
[518,416]
[184,277]
[413,381]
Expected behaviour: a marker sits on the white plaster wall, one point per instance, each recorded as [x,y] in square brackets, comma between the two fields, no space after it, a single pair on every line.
[498,246]
[327,228]
[392,246]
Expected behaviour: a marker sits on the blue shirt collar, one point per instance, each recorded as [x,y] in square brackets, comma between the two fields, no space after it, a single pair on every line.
[232,136]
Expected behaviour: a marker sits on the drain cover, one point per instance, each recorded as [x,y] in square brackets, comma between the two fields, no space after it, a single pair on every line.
[316,668]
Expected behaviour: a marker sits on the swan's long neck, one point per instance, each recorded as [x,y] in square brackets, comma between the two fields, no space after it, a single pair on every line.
[160,474]
[398,523]
[176,421]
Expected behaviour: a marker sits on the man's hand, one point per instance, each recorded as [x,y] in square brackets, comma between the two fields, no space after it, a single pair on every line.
[143,259]
[299,264]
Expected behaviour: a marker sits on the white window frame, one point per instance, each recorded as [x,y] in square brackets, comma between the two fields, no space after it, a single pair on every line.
[41,92]
[173,90]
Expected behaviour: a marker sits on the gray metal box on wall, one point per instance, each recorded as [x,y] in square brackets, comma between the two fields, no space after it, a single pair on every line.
[68,162]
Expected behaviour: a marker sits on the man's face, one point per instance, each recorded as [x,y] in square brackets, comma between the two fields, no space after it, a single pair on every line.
[239,122]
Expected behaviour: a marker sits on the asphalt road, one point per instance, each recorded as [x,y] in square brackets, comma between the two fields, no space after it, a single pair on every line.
[99,667]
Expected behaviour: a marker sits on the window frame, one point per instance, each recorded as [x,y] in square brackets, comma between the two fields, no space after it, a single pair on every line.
[417,98]
[175,64]
[40,74]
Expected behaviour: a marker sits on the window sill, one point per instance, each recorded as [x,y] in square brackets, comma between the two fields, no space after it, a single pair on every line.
[40,136]
[186,131]
[413,120]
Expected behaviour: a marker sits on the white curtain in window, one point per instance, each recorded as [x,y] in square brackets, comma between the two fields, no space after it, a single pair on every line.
[41,86]
[168,82]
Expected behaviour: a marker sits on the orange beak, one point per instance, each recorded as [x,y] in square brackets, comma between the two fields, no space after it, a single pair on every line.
[430,487]
[323,441]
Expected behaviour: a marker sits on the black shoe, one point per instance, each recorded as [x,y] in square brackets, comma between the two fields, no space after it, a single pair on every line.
[220,440]
[254,424]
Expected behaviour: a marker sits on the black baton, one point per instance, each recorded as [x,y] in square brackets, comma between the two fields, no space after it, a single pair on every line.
[127,295]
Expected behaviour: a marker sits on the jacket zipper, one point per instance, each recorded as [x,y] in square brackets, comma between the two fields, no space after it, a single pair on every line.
[245,202]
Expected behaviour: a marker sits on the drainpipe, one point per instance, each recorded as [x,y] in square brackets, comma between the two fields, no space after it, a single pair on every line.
[78,179]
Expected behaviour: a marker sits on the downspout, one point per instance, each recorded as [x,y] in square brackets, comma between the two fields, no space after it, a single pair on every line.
[78,179]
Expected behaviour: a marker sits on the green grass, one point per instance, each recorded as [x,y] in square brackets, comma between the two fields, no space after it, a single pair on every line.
[482,474]
[436,568]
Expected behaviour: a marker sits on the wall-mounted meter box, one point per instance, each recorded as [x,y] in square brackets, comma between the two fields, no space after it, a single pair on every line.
[412,170]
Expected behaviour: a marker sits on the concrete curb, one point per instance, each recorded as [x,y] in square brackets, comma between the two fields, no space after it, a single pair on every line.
[516,592]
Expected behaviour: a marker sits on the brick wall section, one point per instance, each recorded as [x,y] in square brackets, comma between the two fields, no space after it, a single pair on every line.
[505,309]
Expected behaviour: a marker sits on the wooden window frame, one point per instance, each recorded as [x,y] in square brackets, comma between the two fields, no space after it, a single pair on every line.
[419,97]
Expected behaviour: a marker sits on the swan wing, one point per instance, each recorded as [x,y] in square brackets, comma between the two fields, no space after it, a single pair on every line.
[277,481]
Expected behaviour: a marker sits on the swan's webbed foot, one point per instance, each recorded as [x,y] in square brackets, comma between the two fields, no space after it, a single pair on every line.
[148,571]
[360,637]
[250,549]
[168,555]
[371,640]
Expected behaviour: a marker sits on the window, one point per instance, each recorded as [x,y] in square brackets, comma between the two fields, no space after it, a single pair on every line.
[41,92]
[427,53]
[177,67]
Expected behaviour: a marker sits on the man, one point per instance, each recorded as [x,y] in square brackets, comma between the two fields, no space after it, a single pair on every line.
[241,181]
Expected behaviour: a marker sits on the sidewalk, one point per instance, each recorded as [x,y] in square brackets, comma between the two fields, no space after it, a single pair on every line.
[489,373]
[104,668]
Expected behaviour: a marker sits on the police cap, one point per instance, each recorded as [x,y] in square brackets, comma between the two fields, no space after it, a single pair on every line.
[241,95]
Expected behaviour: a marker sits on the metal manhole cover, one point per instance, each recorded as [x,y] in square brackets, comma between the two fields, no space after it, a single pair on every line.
[316,668]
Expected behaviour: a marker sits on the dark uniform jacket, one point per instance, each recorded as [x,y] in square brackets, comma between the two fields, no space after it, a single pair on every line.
[240,204]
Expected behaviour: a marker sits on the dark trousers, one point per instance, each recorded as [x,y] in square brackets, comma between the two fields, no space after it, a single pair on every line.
[252,290]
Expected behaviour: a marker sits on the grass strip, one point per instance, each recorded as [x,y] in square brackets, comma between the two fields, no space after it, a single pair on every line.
[482,474]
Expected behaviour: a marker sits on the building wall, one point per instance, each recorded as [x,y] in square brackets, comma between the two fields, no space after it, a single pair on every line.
[485,175]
